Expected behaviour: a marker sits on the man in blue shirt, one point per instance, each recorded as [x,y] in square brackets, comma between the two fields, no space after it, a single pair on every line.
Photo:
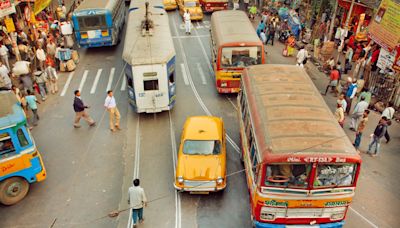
[32,104]
[351,92]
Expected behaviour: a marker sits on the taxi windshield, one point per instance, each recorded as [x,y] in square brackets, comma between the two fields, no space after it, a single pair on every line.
[239,57]
[288,175]
[202,147]
[191,4]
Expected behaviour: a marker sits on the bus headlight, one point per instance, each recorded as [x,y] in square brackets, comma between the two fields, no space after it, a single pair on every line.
[220,180]
[224,84]
[267,216]
[337,216]
[180,179]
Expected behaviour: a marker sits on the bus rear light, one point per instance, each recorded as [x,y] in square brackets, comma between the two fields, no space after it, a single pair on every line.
[34,154]
[267,216]
[104,33]
[208,4]
[337,216]
[224,84]
[84,35]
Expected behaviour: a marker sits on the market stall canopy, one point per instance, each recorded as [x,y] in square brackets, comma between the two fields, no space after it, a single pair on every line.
[40,5]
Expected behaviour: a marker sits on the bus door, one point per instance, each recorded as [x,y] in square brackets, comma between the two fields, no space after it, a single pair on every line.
[151,87]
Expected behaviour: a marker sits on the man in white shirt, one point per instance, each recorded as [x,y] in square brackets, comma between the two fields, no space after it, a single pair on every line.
[4,55]
[358,113]
[301,56]
[5,79]
[41,56]
[263,37]
[389,113]
[186,18]
[137,200]
[111,105]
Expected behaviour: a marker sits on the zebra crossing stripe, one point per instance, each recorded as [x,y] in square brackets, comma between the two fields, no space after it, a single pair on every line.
[70,76]
[85,74]
[110,79]
[96,81]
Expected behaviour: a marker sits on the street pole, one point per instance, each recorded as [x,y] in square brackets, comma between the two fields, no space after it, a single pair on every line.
[333,21]
[349,14]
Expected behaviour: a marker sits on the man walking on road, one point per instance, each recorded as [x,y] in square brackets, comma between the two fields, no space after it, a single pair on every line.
[360,129]
[80,112]
[32,104]
[358,113]
[4,55]
[111,107]
[388,112]
[379,132]
[137,200]
[351,92]
[186,18]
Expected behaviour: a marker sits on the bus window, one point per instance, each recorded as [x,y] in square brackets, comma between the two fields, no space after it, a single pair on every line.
[240,56]
[294,175]
[189,4]
[150,84]
[23,141]
[6,145]
[92,22]
[335,175]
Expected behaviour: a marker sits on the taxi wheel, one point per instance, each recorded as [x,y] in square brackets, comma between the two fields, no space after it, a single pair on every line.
[12,190]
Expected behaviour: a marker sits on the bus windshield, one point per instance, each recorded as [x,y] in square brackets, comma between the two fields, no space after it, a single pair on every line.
[92,22]
[332,175]
[239,57]
[6,145]
[288,175]
[202,147]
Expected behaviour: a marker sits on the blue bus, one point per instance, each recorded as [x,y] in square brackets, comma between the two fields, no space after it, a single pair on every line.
[20,161]
[99,23]
[149,55]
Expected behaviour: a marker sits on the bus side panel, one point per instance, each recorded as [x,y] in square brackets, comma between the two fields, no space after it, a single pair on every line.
[171,81]
[24,166]
[131,86]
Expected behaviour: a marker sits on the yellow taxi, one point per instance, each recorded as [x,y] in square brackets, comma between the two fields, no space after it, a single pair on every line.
[170,4]
[201,165]
[196,13]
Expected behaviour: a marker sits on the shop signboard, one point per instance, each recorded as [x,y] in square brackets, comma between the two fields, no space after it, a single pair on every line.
[6,8]
[385,26]
[40,5]
[396,64]
[9,24]
[386,59]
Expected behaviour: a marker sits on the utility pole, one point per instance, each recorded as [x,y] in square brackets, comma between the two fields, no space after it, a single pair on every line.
[333,20]
[349,14]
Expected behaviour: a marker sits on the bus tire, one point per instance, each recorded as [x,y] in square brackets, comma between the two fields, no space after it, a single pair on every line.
[13,190]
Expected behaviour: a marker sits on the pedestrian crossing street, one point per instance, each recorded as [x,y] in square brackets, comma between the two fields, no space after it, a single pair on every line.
[91,80]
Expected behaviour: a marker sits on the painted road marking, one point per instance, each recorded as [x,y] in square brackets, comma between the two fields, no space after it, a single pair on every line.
[363,217]
[123,85]
[174,159]
[203,78]
[191,36]
[96,81]
[84,77]
[184,74]
[70,76]
[110,79]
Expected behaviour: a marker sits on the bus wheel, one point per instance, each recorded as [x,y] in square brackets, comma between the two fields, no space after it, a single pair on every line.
[12,190]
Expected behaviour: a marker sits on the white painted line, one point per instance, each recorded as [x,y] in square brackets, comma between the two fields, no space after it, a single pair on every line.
[363,217]
[203,78]
[70,76]
[137,150]
[130,225]
[191,36]
[123,85]
[85,74]
[196,94]
[110,79]
[96,81]
[184,74]
[233,104]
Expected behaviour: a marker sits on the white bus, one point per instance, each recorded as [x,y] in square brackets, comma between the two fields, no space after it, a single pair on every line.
[149,55]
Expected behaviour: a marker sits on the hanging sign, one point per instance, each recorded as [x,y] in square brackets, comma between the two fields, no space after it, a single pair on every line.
[9,24]
[6,8]
[385,60]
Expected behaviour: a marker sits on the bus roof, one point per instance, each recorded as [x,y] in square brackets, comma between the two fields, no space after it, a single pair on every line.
[292,117]
[232,26]
[142,50]
[97,4]
[11,112]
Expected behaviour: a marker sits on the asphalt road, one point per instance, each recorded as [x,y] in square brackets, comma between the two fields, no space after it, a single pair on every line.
[90,169]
